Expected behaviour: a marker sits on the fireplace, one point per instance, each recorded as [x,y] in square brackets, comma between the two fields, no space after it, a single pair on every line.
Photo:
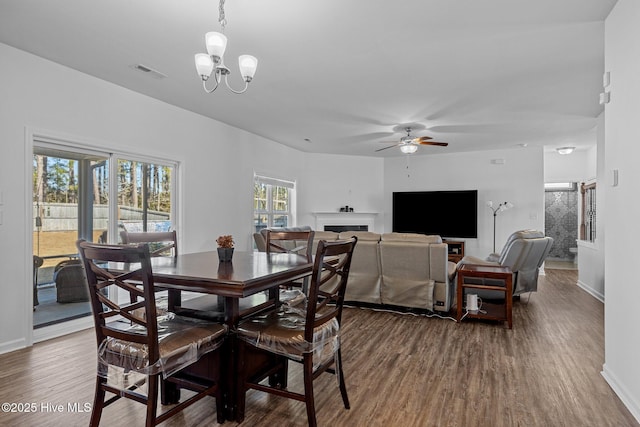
[345,221]
[340,228]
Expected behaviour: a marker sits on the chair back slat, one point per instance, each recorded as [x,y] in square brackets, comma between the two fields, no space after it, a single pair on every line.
[292,242]
[332,264]
[139,285]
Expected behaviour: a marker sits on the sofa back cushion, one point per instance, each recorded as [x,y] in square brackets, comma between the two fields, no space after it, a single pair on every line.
[411,237]
[361,235]
[329,236]
[364,275]
[406,276]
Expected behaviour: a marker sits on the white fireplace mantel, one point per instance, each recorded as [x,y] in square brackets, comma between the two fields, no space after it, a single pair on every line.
[345,218]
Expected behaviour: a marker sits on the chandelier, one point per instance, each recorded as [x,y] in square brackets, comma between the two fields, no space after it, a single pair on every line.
[212,62]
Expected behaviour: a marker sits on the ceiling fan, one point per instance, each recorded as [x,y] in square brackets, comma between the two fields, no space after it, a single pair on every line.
[409,144]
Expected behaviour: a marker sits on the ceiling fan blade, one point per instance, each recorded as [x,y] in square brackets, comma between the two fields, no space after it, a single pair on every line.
[422,138]
[440,144]
[385,148]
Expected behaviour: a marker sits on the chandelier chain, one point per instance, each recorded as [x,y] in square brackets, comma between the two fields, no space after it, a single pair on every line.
[222,20]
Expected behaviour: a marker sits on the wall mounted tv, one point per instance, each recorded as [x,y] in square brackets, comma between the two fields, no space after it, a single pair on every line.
[446,213]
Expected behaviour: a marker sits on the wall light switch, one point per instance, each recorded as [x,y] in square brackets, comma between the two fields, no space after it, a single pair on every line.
[613,178]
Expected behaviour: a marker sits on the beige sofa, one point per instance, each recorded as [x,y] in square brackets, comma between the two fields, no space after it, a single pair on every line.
[400,269]
[396,269]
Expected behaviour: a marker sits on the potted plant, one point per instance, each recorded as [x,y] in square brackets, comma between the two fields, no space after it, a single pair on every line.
[225,248]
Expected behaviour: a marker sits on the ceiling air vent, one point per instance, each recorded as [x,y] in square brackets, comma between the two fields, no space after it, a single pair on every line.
[149,71]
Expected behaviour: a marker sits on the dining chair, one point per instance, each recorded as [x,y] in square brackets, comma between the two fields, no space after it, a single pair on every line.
[161,243]
[140,352]
[311,337]
[291,241]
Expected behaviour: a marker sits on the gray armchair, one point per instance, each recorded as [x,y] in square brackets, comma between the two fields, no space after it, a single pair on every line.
[524,252]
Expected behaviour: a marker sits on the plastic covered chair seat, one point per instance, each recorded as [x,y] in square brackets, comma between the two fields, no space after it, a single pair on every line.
[283,333]
[181,342]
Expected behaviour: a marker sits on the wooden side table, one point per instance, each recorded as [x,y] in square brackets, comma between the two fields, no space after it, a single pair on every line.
[487,277]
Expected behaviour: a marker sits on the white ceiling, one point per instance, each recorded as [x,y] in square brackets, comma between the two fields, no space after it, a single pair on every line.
[347,74]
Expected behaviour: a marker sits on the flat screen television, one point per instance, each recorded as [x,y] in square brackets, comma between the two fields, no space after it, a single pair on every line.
[452,214]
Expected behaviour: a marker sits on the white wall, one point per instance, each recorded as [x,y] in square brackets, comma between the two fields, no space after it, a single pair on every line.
[334,181]
[622,133]
[579,166]
[519,181]
[217,163]
[591,255]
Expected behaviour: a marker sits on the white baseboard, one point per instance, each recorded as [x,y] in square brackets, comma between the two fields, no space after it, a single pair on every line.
[9,346]
[597,295]
[59,329]
[622,392]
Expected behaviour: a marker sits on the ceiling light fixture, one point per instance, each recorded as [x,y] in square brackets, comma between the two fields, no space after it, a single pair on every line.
[213,63]
[565,150]
[408,148]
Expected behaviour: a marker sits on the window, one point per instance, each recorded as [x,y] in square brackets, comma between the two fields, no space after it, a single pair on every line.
[272,202]
[144,196]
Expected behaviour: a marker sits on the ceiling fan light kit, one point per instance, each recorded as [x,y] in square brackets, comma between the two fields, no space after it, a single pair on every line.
[409,144]
[212,62]
[408,148]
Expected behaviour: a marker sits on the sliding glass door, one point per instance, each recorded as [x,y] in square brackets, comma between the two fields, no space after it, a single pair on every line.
[79,193]
[70,201]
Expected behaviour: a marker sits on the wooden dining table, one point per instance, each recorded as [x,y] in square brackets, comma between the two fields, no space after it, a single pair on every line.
[249,273]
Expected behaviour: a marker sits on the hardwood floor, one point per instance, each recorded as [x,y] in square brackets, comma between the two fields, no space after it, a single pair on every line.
[400,370]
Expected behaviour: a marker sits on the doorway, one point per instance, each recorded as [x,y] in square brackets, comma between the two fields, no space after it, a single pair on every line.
[561,222]
[70,201]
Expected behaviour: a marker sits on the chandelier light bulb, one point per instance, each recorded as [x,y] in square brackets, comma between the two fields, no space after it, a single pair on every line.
[216,43]
[248,65]
[204,65]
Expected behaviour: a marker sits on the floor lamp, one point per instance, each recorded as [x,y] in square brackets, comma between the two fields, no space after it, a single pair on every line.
[501,207]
